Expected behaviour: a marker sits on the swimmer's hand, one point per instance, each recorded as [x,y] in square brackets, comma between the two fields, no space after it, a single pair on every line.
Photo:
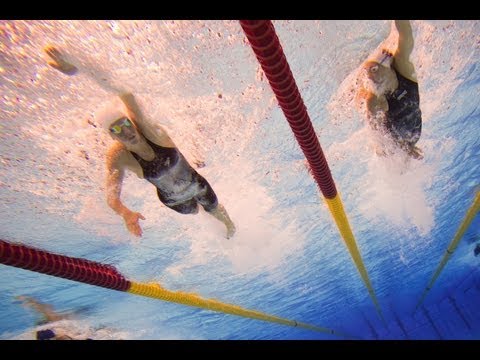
[230,230]
[131,221]
[23,299]
[26,300]
[57,61]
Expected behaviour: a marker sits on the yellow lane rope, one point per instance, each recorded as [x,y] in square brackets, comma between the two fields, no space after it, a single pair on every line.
[155,291]
[336,209]
[470,215]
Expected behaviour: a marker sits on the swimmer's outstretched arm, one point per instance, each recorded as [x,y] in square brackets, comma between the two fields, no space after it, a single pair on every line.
[45,310]
[118,158]
[156,133]
[58,60]
[375,107]
[405,47]
[133,110]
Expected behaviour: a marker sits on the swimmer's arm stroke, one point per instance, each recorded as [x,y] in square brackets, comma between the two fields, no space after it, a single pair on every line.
[119,159]
[377,106]
[405,47]
[158,134]
[373,103]
[44,309]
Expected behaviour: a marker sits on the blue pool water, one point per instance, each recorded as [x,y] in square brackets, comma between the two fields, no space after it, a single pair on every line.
[201,81]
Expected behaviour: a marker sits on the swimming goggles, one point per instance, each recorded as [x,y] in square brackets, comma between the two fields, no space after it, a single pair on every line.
[117,129]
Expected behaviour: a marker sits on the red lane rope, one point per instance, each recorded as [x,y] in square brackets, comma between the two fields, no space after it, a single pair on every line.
[264,41]
[76,269]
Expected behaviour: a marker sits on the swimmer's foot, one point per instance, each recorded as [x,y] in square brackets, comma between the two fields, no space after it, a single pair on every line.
[199,163]
[230,231]
[58,61]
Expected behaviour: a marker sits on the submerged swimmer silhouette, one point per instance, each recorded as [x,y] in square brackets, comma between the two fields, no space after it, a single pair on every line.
[150,153]
[49,317]
[390,94]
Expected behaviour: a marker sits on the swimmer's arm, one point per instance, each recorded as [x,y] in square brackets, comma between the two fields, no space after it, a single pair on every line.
[360,97]
[134,113]
[133,110]
[377,106]
[376,103]
[117,161]
[402,61]
[373,103]
[118,158]
[45,310]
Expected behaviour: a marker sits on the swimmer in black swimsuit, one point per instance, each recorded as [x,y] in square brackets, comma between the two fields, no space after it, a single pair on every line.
[150,153]
[390,93]
[153,156]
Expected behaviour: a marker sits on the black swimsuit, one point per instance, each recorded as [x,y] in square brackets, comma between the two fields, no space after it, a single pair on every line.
[179,186]
[404,118]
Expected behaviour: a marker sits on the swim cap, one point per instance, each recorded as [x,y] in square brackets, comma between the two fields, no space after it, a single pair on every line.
[45,334]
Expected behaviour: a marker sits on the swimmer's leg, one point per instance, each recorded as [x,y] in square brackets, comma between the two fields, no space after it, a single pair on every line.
[57,61]
[415,152]
[408,139]
[410,148]
[221,214]
[186,207]
[208,199]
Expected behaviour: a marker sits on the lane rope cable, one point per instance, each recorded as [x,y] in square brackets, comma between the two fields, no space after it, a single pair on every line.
[469,216]
[268,50]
